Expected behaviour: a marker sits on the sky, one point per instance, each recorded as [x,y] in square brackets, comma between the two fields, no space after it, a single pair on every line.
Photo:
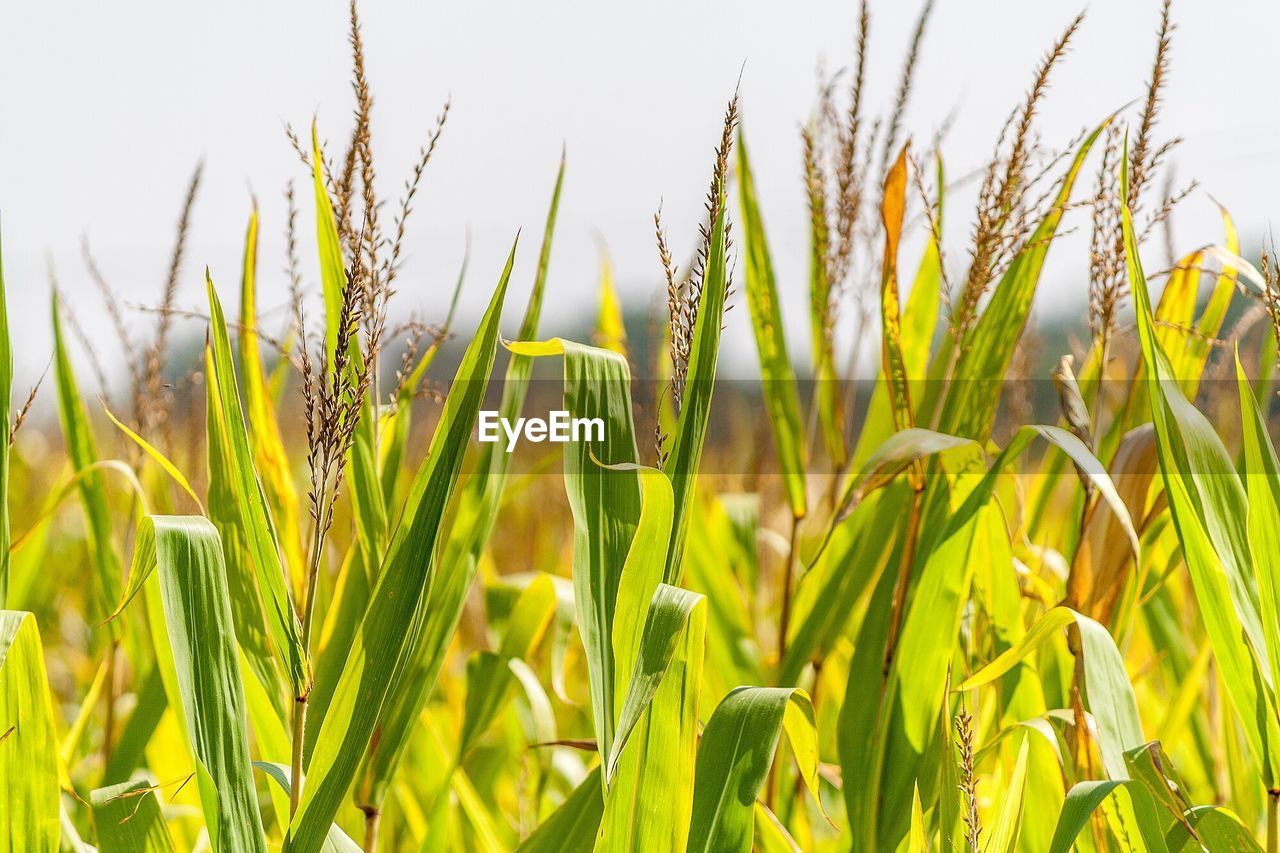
[110,105]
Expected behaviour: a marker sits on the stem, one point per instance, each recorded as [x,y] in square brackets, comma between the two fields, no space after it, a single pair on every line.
[1080,752]
[1079,748]
[109,725]
[295,766]
[785,621]
[372,818]
[300,702]
[1104,353]
[813,700]
[904,576]
[1273,820]
[313,575]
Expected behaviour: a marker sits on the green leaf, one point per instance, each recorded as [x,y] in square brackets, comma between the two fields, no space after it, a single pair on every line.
[695,408]
[127,751]
[605,502]
[1045,628]
[896,454]
[777,376]
[734,756]
[1210,513]
[269,455]
[392,624]
[127,819]
[185,555]
[336,841]
[917,839]
[638,604]
[159,458]
[1215,829]
[1085,797]
[29,809]
[973,395]
[884,743]
[490,681]
[250,513]
[473,523]
[1150,765]
[1004,835]
[572,826]
[667,621]
[1110,696]
[651,784]
[82,450]
[1262,483]
[227,514]
[771,835]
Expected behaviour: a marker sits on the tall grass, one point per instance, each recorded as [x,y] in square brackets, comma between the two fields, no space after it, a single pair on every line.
[927,625]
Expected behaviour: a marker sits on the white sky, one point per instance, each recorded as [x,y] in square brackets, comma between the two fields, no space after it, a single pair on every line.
[108,105]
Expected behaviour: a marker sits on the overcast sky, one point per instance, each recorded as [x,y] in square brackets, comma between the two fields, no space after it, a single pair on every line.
[109,105]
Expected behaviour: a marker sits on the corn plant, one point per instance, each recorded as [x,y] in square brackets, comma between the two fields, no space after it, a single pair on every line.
[283,599]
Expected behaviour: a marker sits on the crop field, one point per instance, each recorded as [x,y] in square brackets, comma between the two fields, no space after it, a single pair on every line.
[923,585]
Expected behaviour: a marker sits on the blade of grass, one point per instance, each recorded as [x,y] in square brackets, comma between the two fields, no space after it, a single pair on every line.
[332,269]
[637,587]
[1262,482]
[668,618]
[1004,835]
